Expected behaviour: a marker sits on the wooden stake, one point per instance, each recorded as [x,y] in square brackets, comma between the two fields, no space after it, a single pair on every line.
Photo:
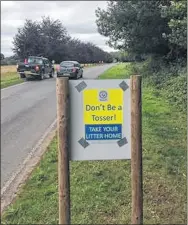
[63,157]
[136,150]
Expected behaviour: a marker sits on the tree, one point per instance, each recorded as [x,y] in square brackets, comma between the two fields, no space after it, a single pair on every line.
[134,26]
[86,52]
[54,38]
[176,14]
[27,40]
[45,38]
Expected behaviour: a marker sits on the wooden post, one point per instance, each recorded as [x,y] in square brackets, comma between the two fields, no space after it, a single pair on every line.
[63,157]
[136,150]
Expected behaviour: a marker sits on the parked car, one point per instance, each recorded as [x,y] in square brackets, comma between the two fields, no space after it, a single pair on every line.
[71,69]
[36,66]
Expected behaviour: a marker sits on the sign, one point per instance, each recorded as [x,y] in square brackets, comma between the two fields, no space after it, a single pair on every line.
[103,114]
[100,119]
[98,113]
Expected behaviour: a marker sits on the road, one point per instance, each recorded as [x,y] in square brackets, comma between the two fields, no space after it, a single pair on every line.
[27,111]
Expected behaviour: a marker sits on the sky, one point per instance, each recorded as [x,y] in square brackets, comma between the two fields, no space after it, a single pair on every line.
[78,17]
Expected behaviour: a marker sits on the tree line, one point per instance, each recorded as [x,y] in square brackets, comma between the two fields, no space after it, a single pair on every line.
[146,27]
[49,38]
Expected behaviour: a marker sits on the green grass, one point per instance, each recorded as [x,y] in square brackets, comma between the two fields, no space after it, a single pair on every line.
[101,191]
[120,71]
[9,79]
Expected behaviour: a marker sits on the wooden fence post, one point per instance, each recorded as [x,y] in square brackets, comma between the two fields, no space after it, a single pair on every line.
[63,156]
[136,151]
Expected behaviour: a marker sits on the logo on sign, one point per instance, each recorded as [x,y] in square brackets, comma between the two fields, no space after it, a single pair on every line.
[103,96]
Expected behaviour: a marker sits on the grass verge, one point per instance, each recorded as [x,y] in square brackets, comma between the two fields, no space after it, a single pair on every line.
[9,79]
[9,76]
[101,191]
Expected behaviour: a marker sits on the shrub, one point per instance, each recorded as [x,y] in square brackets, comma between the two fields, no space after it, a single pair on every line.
[175,89]
[169,77]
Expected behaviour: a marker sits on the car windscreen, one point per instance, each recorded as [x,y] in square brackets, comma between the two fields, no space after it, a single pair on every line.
[67,64]
[35,60]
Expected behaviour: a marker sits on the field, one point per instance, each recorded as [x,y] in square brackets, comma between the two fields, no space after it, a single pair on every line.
[9,76]
[101,190]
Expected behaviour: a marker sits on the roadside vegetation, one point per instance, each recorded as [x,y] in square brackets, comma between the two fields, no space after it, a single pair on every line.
[50,38]
[9,76]
[154,32]
[101,190]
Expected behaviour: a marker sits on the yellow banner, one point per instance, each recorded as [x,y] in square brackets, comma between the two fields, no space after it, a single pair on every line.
[103,106]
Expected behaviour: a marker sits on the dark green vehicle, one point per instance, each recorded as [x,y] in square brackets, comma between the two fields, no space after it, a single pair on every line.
[71,69]
[36,66]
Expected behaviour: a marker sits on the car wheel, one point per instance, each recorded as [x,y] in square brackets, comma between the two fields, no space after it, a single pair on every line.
[52,74]
[42,75]
[22,75]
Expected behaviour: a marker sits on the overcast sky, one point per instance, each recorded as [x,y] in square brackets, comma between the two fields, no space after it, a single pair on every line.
[77,16]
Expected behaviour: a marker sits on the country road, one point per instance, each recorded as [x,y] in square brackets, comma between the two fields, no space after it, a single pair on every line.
[27,112]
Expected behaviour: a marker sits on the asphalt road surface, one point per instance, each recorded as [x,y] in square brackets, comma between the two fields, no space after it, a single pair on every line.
[27,111]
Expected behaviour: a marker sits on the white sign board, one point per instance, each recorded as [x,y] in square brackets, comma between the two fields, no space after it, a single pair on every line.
[100,119]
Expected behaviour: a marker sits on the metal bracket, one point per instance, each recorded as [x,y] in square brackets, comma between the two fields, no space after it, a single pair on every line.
[122,142]
[83,143]
[123,85]
[81,86]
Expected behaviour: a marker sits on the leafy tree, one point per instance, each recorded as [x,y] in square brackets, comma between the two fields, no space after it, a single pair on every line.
[87,52]
[26,41]
[53,38]
[134,26]
[176,13]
